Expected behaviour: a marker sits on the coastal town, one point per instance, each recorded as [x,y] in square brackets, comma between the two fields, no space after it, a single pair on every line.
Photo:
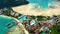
[30,19]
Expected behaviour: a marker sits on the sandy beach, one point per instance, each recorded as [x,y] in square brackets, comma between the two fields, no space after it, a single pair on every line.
[29,10]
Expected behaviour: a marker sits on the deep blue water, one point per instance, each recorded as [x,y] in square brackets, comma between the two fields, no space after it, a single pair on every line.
[42,3]
[12,3]
[3,24]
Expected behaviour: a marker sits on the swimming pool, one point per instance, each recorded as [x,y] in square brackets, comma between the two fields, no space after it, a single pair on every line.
[6,23]
[21,19]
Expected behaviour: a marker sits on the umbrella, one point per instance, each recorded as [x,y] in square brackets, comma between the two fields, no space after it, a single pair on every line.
[31,10]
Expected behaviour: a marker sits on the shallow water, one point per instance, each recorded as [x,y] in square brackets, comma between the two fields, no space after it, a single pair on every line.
[42,3]
[3,24]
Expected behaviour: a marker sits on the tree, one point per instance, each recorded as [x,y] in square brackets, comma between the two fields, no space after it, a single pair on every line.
[32,17]
[55,29]
[41,18]
[6,11]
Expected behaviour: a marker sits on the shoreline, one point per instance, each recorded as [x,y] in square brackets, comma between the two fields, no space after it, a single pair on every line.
[28,10]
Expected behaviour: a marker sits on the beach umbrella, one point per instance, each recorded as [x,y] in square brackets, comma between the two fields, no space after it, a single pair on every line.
[28,10]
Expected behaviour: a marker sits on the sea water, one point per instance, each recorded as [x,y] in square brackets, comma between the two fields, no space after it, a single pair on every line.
[3,22]
[42,3]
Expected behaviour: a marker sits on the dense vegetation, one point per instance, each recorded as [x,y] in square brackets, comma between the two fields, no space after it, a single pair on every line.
[9,12]
[55,29]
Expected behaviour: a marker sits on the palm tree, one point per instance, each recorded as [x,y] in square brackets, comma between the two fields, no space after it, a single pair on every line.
[41,18]
[55,29]
[6,11]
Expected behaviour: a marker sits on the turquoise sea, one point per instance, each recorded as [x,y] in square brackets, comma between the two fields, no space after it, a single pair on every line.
[6,23]
[42,3]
